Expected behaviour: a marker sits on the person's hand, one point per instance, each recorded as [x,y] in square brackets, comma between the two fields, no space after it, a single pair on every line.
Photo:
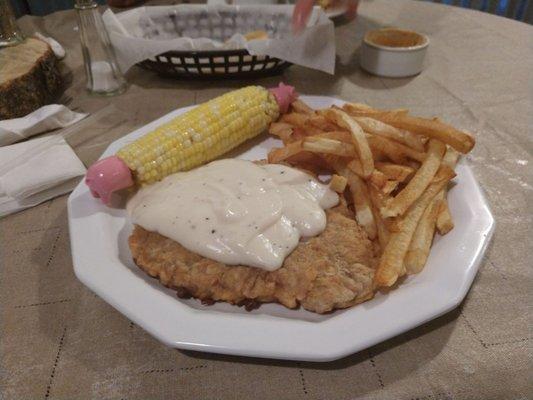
[301,14]
[351,9]
[303,8]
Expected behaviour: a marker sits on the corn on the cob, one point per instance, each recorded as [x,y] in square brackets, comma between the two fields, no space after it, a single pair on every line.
[189,140]
[201,134]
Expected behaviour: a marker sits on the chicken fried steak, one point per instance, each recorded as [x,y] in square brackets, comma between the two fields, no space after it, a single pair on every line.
[330,271]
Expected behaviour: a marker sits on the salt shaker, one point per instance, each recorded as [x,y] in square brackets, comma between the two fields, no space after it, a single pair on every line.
[103,74]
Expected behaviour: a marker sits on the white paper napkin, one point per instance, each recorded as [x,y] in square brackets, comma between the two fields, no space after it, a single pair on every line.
[58,50]
[46,118]
[35,171]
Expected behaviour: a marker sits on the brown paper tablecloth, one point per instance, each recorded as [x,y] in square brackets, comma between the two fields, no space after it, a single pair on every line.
[60,341]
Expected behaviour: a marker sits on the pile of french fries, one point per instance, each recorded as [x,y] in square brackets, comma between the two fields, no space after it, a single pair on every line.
[392,166]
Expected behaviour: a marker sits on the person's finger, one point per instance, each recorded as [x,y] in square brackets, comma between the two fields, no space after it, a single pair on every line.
[300,15]
[351,8]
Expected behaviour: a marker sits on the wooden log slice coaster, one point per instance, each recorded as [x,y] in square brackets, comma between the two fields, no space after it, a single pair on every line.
[29,78]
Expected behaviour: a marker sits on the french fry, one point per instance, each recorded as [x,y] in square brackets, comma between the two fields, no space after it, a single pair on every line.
[298,134]
[311,130]
[281,129]
[391,265]
[363,209]
[435,129]
[389,187]
[376,197]
[364,110]
[382,231]
[358,138]
[338,183]
[381,150]
[319,121]
[416,186]
[277,155]
[328,146]
[355,166]
[378,179]
[358,107]
[420,245]
[294,118]
[395,172]
[361,200]
[377,127]
[342,136]
[419,138]
[444,219]
[377,200]
[300,107]
[396,152]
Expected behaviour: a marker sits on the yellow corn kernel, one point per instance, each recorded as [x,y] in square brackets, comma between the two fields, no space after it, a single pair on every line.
[201,134]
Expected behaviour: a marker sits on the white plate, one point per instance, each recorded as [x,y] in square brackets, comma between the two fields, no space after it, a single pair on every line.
[102,261]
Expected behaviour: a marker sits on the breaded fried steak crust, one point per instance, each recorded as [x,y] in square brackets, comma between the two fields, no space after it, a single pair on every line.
[330,271]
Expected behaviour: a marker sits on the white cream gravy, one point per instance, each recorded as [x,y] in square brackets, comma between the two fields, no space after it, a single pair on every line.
[235,211]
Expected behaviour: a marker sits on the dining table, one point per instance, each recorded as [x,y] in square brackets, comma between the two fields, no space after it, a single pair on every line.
[58,340]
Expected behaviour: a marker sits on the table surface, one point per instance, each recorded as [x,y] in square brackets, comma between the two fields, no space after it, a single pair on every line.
[60,341]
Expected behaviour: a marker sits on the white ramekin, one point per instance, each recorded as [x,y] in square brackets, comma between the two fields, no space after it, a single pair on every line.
[393,53]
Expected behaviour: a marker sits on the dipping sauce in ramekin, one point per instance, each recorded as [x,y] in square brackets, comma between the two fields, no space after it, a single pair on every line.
[393,53]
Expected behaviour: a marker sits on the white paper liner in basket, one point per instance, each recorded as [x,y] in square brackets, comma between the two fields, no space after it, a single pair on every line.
[146,32]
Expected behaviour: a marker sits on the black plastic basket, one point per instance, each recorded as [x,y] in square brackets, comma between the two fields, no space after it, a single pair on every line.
[214,64]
